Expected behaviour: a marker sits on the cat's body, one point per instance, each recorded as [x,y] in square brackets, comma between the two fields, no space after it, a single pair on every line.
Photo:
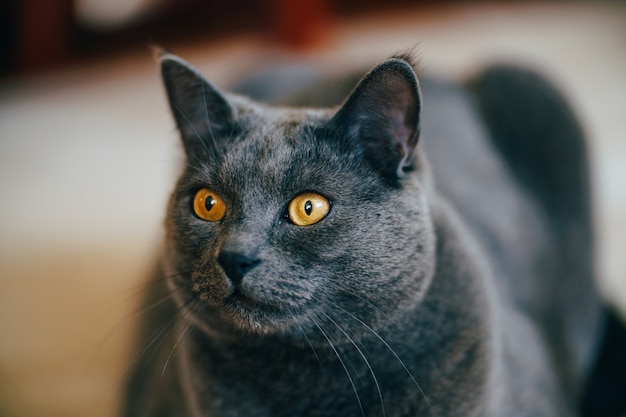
[459,287]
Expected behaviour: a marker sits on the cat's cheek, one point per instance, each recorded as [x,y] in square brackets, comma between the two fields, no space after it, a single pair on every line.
[194,237]
[191,254]
[385,265]
[315,244]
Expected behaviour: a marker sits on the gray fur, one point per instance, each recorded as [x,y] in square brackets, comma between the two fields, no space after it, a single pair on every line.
[424,292]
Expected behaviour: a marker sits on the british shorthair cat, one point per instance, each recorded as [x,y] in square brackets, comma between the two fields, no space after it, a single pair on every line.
[420,249]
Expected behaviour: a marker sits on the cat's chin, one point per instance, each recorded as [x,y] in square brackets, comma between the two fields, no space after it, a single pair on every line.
[239,313]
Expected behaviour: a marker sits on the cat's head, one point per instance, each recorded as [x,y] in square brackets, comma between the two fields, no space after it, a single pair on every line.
[286,218]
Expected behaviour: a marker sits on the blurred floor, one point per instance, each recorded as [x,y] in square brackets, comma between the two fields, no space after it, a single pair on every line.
[88,155]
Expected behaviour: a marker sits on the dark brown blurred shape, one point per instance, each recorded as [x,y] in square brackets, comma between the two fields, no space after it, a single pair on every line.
[38,34]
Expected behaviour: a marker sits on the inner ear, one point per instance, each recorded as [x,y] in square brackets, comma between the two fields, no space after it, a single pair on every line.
[382,116]
[203,114]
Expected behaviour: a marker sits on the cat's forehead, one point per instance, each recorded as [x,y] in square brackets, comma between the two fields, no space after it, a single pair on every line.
[273,140]
[275,151]
[272,126]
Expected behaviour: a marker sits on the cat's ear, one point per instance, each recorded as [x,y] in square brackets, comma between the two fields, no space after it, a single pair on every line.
[382,115]
[202,113]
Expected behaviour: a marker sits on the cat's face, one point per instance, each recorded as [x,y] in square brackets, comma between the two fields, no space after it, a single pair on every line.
[284,218]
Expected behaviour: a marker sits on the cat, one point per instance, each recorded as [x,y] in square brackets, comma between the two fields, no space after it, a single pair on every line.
[319,262]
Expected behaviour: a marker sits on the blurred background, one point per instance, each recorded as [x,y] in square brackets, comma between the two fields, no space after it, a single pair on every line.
[89,153]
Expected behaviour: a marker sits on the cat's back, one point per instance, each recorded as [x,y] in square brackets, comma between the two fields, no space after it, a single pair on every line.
[507,224]
[510,155]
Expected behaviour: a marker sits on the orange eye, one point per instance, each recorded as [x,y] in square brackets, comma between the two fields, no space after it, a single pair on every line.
[308,208]
[208,205]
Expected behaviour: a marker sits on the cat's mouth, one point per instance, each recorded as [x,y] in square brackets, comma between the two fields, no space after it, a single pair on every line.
[224,308]
[239,298]
[250,313]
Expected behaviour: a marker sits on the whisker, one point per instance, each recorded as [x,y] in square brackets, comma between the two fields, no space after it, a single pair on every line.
[156,335]
[392,352]
[147,285]
[164,328]
[153,304]
[182,334]
[356,393]
[308,341]
[143,310]
[358,296]
[134,290]
[380,395]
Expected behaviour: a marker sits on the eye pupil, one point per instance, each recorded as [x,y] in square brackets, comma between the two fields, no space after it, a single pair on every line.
[208,205]
[209,202]
[308,208]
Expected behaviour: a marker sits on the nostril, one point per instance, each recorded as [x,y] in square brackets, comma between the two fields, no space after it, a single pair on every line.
[236,265]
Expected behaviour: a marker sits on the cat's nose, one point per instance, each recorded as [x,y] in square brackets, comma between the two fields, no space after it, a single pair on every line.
[236,265]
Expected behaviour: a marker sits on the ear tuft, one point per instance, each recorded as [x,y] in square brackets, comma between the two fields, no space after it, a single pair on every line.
[158,52]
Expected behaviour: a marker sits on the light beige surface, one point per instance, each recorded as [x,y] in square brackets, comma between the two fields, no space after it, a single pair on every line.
[88,156]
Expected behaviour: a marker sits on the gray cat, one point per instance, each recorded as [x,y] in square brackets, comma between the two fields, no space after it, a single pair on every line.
[319,263]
